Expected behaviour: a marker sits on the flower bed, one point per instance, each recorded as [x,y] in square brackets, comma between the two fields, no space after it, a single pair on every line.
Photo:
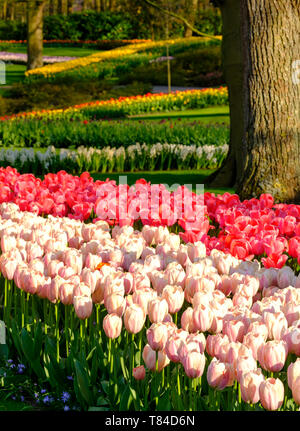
[133,158]
[44,132]
[133,105]
[22,58]
[147,48]
[96,303]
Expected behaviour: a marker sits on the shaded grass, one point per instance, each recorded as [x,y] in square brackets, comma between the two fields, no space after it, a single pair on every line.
[56,51]
[188,177]
[14,73]
[13,406]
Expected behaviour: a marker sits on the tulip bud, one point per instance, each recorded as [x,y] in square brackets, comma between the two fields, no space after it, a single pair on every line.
[134,319]
[112,325]
[83,306]
[139,373]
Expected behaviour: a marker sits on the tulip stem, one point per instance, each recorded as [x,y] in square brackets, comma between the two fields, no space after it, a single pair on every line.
[23,308]
[67,330]
[5,300]
[45,315]
[175,318]
[156,377]
[168,376]
[132,355]
[26,310]
[57,331]
[81,336]
[191,382]
[178,380]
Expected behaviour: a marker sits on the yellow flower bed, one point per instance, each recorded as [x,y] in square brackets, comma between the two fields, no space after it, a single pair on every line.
[52,69]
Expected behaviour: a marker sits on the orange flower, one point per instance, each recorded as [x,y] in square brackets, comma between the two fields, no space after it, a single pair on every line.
[99,266]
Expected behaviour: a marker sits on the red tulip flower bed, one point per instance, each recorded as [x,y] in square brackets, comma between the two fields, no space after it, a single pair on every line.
[255,228]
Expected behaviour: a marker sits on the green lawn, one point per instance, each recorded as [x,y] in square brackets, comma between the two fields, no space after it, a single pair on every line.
[188,177]
[215,114]
[60,51]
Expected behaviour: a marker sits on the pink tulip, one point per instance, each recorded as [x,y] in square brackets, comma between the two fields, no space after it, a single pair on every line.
[194,364]
[157,336]
[66,293]
[142,297]
[271,394]
[214,344]
[276,324]
[219,374]
[293,372]
[187,320]
[173,344]
[272,355]
[134,319]
[296,390]
[157,310]
[83,306]
[139,373]
[253,342]
[149,357]
[202,318]
[112,325]
[250,383]
[292,338]
[174,296]
[234,329]
[115,303]
[196,251]
[245,364]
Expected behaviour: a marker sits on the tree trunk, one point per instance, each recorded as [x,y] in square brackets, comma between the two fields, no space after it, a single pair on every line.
[97,6]
[11,11]
[264,152]
[35,33]
[232,63]
[4,10]
[70,6]
[270,155]
[51,7]
[191,7]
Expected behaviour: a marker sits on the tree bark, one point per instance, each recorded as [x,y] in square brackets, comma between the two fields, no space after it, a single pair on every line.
[35,33]
[70,4]
[51,7]
[270,156]
[191,6]
[264,154]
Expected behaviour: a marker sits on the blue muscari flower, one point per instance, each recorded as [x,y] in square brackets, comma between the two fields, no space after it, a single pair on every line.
[66,408]
[70,378]
[22,398]
[43,391]
[10,361]
[21,368]
[65,397]
[46,399]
